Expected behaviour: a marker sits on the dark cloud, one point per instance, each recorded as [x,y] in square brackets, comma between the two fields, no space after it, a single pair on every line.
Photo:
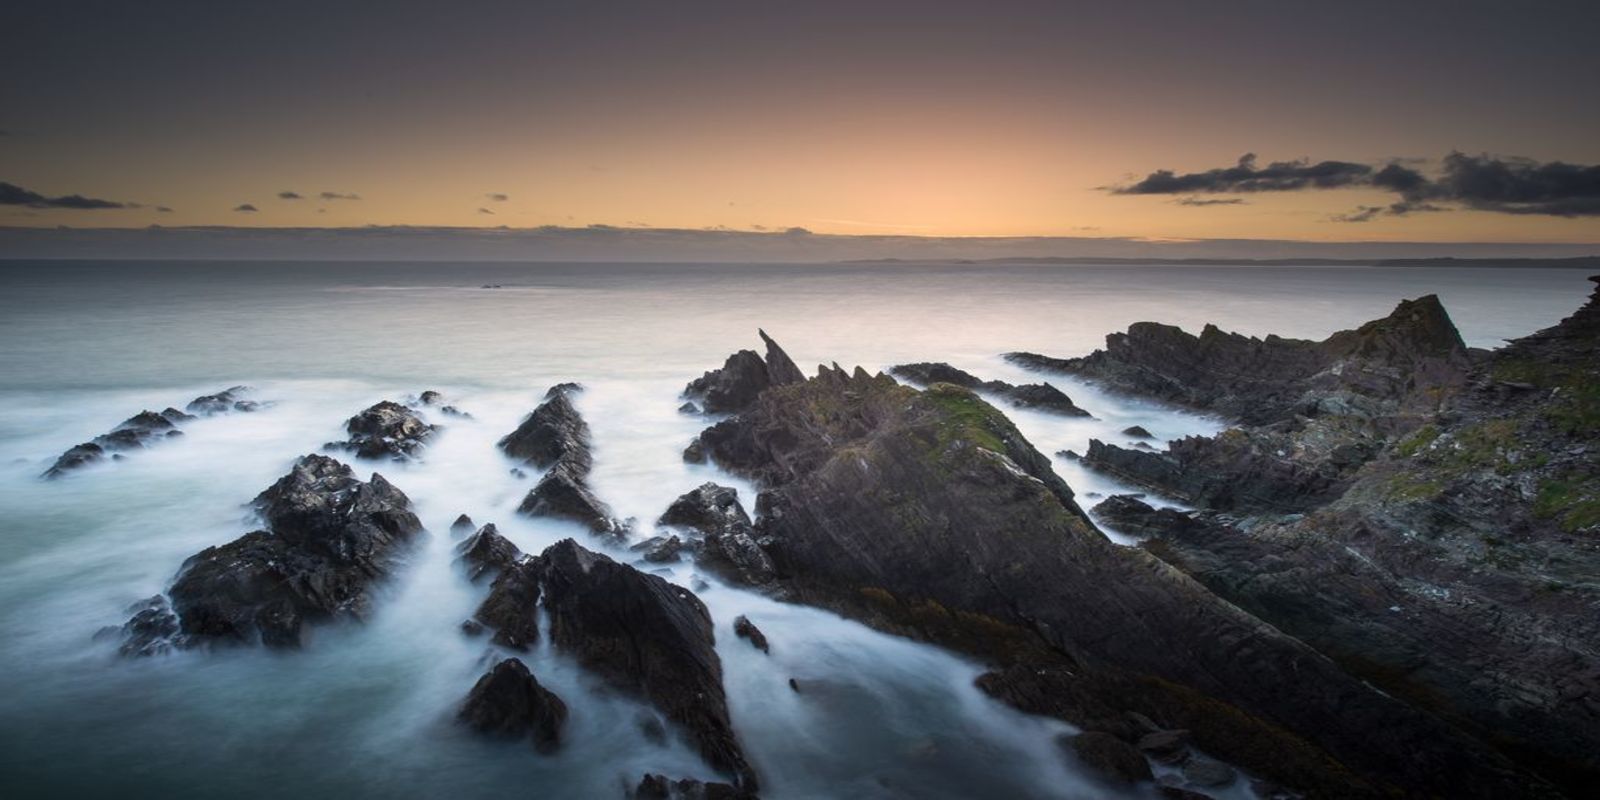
[498,197]
[245,208]
[339,196]
[1278,176]
[288,195]
[13,195]
[1500,184]
[1212,201]
[485,211]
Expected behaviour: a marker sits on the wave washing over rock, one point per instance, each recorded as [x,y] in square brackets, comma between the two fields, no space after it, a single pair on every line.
[1375,580]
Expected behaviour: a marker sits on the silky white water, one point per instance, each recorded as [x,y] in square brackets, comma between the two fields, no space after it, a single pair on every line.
[364,710]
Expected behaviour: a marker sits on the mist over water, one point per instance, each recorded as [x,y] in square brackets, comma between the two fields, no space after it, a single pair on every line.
[364,710]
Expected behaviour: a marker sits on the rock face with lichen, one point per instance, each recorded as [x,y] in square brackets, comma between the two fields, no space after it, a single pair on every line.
[928,513]
[329,538]
[1040,396]
[1455,568]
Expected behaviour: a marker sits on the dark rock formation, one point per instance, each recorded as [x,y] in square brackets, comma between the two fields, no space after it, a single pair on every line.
[508,702]
[659,787]
[223,402]
[747,630]
[1041,396]
[554,432]
[742,378]
[642,634]
[555,436]
[385,430]
[329,538]
[486,553]
[1454,569]
[1137,432]
[727,543]
[929,514]
[512,607]
[1109,756]
[689,408]
[1407,361]
[462,526]
[659,549]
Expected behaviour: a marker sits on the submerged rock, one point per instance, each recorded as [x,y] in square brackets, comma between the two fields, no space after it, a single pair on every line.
[1109,756]
[742,378]
[329,538]
[747,630]
[1137,432]
[225,401]
[642,634]
[1041,396]
[385,430]
[462,526]
[134,433]
[508,702]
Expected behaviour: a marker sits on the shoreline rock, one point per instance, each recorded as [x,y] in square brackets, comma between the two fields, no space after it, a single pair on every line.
[1040,396]
[147,428]
[508,702]
[385,429]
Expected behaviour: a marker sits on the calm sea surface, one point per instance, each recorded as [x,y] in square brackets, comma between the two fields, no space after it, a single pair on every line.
[365,710]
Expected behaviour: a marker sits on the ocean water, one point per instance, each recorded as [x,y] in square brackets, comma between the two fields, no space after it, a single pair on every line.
[364,710]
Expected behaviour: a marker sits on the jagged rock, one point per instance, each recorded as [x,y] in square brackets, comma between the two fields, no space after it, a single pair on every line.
[659,787]
[1236,470]
[659,549]
[745,629]
[385,429]
[554,432]
[329,538]
[430,398]
[509,702]
[151,629]
[486,553]
[1407,361]
[689,408]
[872,491]
[564,494]
[1137,432]
[695,453]
[462,526]
[512,607]
[728,546]
[642,634]
[1109,756]
[562,390]
[742,378]
[1040,396]
[136,432]
[231,399]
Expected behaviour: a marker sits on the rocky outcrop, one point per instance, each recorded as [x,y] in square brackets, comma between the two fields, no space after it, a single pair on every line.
[555,436]
[146,428]
[508,702]
[1456,570]
[486,553]
[660,787]
[1040,396]
[511,608]
[385,430]
[1407,362]
[329,538]
[1245,470]
[642,634]
[1109,757]
[725,541]
[462,526]
[744,376]
[929,514]
[747,630]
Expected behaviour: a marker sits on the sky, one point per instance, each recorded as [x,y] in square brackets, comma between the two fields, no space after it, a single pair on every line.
[1462,121]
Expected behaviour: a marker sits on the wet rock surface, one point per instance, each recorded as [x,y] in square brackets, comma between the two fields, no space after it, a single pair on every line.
[385,430]
[511,608]
[1041,396]
[744,376]
[555,436]
[644,635]
[1109,757]
[726,543]
[660,787]
[486,553]
[329,539]
[148,428]
[747,630]
[508,702]
[871,490]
